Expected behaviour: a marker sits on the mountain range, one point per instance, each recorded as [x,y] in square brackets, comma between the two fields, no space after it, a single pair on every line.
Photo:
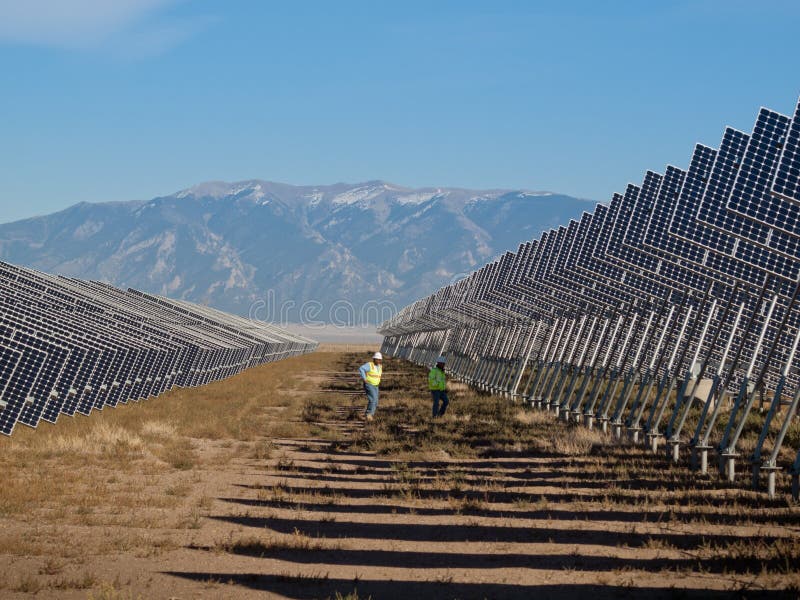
[288,253]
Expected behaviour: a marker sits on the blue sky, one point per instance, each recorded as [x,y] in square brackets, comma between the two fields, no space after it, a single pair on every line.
[137,98]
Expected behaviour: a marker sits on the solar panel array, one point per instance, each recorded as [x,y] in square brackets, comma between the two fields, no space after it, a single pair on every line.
[70,346]
[669,315]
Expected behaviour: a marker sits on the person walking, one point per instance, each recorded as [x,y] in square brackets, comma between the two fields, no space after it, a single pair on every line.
[437,383]
[371,376]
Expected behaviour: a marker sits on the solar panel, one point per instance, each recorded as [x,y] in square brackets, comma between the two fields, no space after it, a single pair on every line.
[750,196]
[716,245]
[786,184]
[729,240]
[71,346]
[24,383]
[764,228]
[79,372]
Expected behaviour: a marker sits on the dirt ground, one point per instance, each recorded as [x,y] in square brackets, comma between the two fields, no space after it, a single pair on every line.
[270,485]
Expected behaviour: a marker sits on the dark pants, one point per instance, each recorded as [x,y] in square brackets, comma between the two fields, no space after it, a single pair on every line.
[439,395]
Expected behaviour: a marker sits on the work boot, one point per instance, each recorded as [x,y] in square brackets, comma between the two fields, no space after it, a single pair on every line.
[369,418]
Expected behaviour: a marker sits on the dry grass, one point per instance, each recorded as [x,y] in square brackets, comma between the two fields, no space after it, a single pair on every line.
[135,469]
[134,484]
[574,440]
[158,430]
[476,425]
[110,591]
[263,545]
[607,513]
[479,426]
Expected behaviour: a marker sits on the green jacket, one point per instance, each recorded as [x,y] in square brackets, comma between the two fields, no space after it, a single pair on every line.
[436,379]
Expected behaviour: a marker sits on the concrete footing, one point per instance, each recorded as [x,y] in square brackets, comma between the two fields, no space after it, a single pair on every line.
[675,450]
[728,467]
[772,476]
[588,420]
[633,434]
[702,454]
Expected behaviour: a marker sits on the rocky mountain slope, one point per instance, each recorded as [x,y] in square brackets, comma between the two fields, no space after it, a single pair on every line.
[325,253]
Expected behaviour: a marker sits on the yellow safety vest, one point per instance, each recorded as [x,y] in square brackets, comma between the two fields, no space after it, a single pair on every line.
[436,379]
[374,374]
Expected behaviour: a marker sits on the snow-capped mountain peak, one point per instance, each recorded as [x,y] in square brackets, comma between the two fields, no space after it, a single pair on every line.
[236,245]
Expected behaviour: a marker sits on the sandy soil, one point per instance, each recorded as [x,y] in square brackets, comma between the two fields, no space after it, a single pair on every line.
[319,515]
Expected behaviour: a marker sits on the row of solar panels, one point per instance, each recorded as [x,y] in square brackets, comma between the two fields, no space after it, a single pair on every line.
[68,346]
[684,284]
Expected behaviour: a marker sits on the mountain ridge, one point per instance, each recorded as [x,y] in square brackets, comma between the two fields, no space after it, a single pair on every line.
[247,244]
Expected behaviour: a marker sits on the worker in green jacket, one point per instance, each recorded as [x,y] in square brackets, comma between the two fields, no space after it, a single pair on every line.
[437,383]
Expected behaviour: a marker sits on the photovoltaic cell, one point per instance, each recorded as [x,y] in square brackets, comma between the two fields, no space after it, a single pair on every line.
[68,346]
[709,179]
[21,386]
[649,220]
[787,176]
[750,196]
[717,223]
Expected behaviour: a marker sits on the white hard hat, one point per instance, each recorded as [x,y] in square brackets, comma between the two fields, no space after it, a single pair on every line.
[441,359]
[377,356]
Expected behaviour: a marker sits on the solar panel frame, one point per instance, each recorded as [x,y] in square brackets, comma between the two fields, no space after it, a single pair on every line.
[26,383]
[93,346]
[159,363]
[786,184]
[751,196]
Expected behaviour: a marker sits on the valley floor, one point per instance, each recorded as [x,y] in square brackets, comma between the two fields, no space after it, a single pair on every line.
[270,485]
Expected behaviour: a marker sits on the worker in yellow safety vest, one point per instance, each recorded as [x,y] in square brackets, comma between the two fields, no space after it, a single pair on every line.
[437,383]
[371,376]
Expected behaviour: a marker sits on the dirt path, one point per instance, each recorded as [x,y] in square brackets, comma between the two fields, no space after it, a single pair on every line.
[490,502]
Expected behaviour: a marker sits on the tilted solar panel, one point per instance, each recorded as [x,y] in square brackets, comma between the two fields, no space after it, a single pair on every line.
[786,184]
